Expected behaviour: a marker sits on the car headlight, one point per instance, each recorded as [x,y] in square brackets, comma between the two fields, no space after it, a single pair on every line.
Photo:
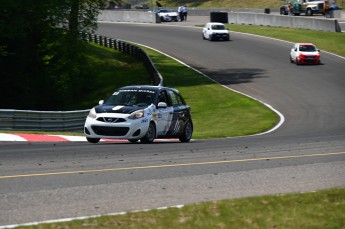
[92,113]
[136,115]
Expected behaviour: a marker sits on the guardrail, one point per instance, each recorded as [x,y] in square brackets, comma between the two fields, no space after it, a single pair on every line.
[72,120]
[42,120]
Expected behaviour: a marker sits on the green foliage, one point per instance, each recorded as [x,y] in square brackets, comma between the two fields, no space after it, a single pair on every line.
[42,58]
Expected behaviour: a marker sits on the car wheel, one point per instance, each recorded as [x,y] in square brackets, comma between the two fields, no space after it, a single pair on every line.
[210,38]
[297,61]
[150,134]
[133,140]
[309,12]
[93,140]
[282,11]
[291,60]
[187,132]
[203,37]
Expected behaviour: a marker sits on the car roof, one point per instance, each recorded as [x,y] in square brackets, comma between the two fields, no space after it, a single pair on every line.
[147,87]
[215,23]
[305,44]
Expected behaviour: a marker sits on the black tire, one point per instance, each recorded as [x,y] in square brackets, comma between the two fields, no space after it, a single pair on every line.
[150,134]
[210,38]
[309,12]
[187,132]
[93,140]
[133,140]
[203,37]
[282,11]
[291,60]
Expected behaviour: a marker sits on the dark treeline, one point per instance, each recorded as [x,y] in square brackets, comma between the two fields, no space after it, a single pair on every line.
[42,58]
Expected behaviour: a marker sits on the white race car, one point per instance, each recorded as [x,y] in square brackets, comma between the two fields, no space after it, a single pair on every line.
[140,113]
[215,31]
[167,14]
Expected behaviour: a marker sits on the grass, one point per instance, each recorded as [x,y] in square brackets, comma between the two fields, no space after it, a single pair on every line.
[323,209]
[112,70]
[327,41]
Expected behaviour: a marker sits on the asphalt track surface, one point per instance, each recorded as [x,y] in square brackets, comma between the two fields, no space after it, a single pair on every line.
[47,181]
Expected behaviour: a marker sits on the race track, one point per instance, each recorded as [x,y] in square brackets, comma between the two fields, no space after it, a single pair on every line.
[46,181]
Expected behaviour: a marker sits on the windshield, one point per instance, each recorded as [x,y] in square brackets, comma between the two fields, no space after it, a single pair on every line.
[131,97]
[218,27]
[307,48]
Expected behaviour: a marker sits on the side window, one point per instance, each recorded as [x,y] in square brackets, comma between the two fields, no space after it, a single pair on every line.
[163,97]
[176,100]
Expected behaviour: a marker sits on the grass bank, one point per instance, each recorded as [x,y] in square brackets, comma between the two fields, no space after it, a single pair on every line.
[325,41]
[317,210]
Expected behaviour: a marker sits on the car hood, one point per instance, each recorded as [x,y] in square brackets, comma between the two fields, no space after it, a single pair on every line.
[168,14]
[121,109]
[309,53]
[220,31]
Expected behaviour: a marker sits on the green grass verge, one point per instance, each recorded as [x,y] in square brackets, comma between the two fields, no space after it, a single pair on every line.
[323,209]
[327,41]
[111,70]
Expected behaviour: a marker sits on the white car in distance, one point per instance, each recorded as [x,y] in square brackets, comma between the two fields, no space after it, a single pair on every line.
[166,15]
[215,31]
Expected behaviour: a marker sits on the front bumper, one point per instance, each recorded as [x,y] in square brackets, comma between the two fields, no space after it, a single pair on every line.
[171,18]
[221,36]
[309,60]
[125,129]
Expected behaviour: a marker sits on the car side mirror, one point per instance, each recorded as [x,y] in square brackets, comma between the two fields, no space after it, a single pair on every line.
[101,102]
[162,105]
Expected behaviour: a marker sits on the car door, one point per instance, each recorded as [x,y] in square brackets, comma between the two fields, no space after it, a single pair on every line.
[206,31]
[180,114]
[294,52]
[164,114]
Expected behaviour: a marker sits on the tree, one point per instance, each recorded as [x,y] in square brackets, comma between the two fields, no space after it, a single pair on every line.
[41,53]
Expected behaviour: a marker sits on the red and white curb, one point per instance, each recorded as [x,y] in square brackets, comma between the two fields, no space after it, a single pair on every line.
[20,137]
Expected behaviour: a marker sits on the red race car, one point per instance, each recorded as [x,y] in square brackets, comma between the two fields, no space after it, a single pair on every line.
[305,53]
